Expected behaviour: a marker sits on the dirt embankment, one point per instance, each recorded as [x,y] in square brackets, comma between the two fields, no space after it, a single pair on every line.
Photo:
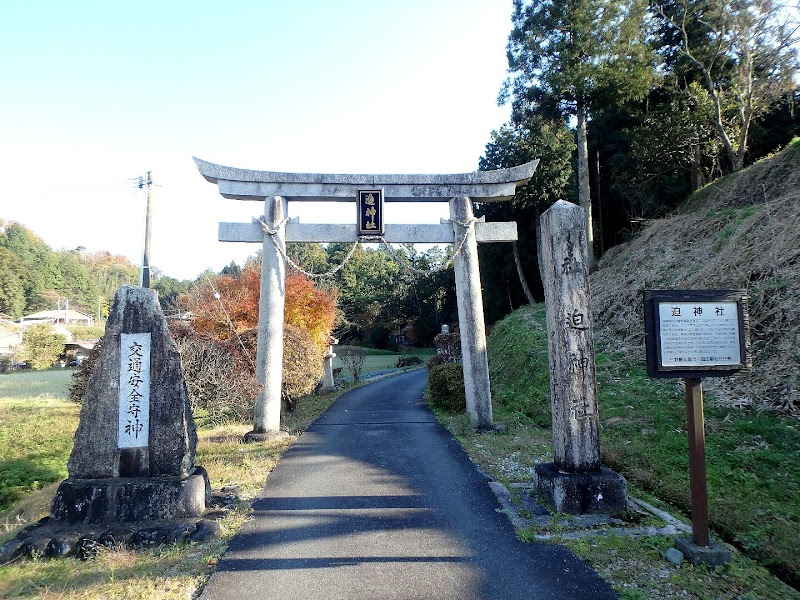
[742,232]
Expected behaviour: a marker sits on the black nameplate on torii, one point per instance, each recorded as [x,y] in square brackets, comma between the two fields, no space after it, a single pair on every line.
[370,212]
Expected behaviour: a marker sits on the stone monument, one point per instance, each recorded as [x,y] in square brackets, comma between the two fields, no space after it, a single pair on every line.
[575,482]
[328,380]
[132,477]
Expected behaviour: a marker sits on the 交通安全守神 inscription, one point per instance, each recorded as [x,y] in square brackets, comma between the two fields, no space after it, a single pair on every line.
[134,390]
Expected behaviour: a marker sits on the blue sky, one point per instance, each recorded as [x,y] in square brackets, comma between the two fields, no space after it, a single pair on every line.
[96,93]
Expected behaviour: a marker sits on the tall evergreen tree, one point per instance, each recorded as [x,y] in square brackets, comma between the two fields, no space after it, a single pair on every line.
[566,56]
[533,136]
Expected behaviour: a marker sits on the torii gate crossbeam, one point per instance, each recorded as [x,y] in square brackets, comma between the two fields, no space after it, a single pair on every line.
[276,189]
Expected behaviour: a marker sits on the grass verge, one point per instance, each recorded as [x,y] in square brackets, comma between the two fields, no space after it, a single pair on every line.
[753,472]
[177,571]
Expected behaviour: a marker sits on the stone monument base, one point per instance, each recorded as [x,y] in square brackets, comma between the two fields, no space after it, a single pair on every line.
[129,499]
[713,555]
[49,538]
[592,492]
[133,513]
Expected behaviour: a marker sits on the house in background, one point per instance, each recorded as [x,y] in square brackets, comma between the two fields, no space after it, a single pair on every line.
[9,340]
[58,317]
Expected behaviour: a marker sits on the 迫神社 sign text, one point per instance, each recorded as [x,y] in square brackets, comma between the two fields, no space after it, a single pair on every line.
[696,333]
[134,390]
[370,212]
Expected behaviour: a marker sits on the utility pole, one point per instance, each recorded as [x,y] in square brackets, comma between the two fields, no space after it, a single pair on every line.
[147,183]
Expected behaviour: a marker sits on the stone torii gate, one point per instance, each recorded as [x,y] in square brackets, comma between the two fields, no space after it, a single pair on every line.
[276,189]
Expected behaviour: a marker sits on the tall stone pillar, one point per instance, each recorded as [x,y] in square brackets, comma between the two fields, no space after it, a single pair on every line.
[573,392]
[269,353]
[575,482]
[470,316]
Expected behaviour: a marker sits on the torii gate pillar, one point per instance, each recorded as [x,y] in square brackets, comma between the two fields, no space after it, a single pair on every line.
[470,316]
[269,351]
[276,189]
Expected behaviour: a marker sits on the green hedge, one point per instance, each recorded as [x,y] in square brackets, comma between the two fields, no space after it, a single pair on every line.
[446,387]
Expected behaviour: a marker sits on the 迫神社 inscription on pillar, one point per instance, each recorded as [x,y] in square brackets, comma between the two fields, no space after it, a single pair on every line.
[134,390]
[575,482]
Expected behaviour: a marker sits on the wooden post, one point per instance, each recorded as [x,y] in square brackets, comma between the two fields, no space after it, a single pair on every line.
[573,393]
[269,353]
[697,460]
[470,316]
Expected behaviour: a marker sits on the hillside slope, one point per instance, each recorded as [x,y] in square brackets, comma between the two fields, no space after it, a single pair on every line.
[742,232]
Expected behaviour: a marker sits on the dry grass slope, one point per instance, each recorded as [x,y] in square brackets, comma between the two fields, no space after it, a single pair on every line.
[742,232]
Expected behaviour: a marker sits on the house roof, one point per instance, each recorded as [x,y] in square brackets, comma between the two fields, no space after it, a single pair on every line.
[44,315]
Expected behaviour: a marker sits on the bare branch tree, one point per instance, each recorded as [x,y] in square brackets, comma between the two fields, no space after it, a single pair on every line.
[743,50]
[353,358]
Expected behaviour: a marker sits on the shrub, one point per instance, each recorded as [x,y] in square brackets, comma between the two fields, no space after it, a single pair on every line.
[220,375]
[446,387]
[219,379]
[409,360]
[80,378]
[436,360]
[42,346]
[302,365]
[81,332]
[449,346]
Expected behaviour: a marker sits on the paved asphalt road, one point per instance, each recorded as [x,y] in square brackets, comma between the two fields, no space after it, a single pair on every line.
[377,501]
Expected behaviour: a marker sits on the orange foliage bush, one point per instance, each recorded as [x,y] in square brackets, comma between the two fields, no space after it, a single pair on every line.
[307,307]
[310,309]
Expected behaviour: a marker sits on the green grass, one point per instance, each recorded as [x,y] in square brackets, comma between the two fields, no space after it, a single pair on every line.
[381,360]
[173,572]
[37,425]
[27,384]
[751,459]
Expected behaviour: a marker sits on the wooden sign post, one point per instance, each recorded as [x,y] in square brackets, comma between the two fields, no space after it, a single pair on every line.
[694,334]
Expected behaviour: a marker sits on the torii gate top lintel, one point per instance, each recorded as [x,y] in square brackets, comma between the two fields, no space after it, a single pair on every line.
[480,186]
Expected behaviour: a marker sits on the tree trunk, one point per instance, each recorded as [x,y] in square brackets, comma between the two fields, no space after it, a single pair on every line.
[698,180]
[525,289]
[584,197]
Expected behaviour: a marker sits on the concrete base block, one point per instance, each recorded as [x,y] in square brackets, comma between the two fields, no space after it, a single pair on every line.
[268,436]
[713,555]
[122,499]
[603,491]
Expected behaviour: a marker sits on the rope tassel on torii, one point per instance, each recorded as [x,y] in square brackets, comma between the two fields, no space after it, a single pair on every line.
[277,189]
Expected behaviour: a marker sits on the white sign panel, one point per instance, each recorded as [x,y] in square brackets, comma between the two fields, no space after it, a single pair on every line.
[699,334]
[134,390]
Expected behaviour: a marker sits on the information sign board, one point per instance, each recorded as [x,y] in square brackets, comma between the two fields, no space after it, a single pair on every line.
[696,333]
